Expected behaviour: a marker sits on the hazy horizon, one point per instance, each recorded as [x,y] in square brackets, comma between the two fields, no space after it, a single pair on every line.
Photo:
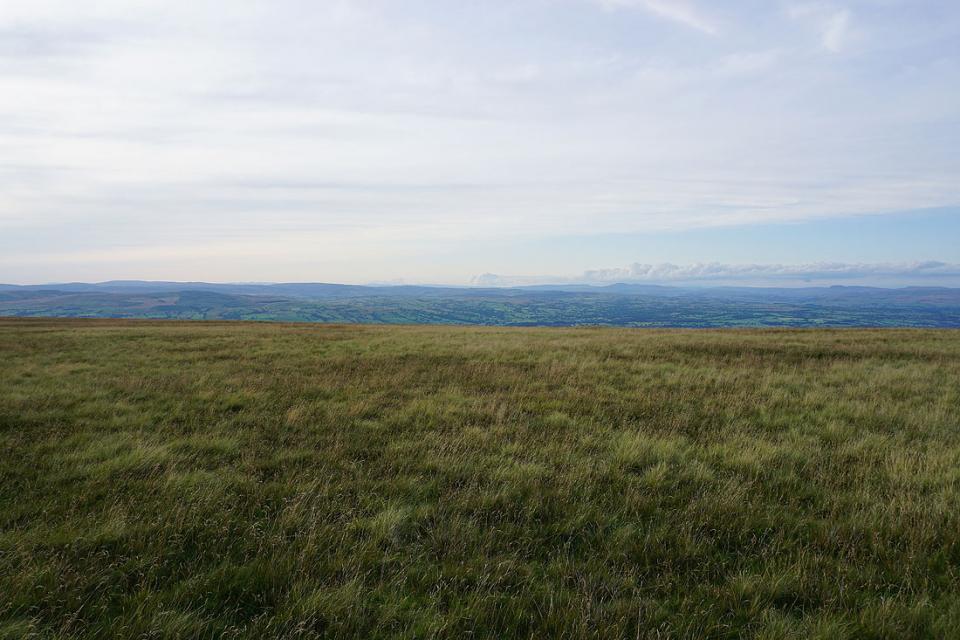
[930,274]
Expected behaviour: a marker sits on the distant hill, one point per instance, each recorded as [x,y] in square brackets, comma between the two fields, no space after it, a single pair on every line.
[628,305]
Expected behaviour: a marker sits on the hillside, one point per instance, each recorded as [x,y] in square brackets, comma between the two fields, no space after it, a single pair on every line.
[624,305]
[248,480]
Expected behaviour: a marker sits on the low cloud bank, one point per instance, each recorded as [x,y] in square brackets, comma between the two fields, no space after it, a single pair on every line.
[930,272]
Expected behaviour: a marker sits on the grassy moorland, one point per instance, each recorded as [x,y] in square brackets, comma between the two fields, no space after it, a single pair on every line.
[217,480]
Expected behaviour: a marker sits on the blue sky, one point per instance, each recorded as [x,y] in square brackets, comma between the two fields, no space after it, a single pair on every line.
[433,141]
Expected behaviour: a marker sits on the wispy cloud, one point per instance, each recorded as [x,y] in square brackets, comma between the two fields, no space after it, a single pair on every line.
[834,24]
[745,63]
[716,272]
[675,10]
[836,30]
[158,125]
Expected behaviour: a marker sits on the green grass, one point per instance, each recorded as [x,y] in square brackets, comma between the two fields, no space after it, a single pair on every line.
[217,480]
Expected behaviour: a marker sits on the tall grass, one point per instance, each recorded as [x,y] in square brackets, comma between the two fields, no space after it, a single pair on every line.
[203,480]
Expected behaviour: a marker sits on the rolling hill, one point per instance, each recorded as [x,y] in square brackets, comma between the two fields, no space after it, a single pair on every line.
[615,305]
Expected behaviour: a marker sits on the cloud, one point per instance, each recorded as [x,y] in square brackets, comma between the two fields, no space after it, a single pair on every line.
[720,273]
[834,25]
[747,63]
[835,31]
[164,124]
[674,10]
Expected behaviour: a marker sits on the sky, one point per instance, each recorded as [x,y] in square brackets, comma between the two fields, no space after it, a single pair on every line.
[432,141]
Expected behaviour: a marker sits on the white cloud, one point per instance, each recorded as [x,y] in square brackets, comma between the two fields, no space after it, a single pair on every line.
[746,63]
[834,24]
[142,127]
[715,272]
[836,29]
[675,10]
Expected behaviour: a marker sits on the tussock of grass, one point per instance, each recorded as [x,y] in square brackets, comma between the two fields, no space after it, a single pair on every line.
[178,480]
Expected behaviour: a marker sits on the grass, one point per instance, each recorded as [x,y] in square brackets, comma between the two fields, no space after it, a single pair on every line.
[232,480]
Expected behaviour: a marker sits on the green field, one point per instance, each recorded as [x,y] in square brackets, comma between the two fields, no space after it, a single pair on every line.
[236,480]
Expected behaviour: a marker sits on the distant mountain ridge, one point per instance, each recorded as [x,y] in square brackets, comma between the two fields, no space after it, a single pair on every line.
[321,289]
[620,304]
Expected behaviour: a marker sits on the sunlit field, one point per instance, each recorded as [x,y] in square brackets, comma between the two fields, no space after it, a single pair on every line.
[239,480]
